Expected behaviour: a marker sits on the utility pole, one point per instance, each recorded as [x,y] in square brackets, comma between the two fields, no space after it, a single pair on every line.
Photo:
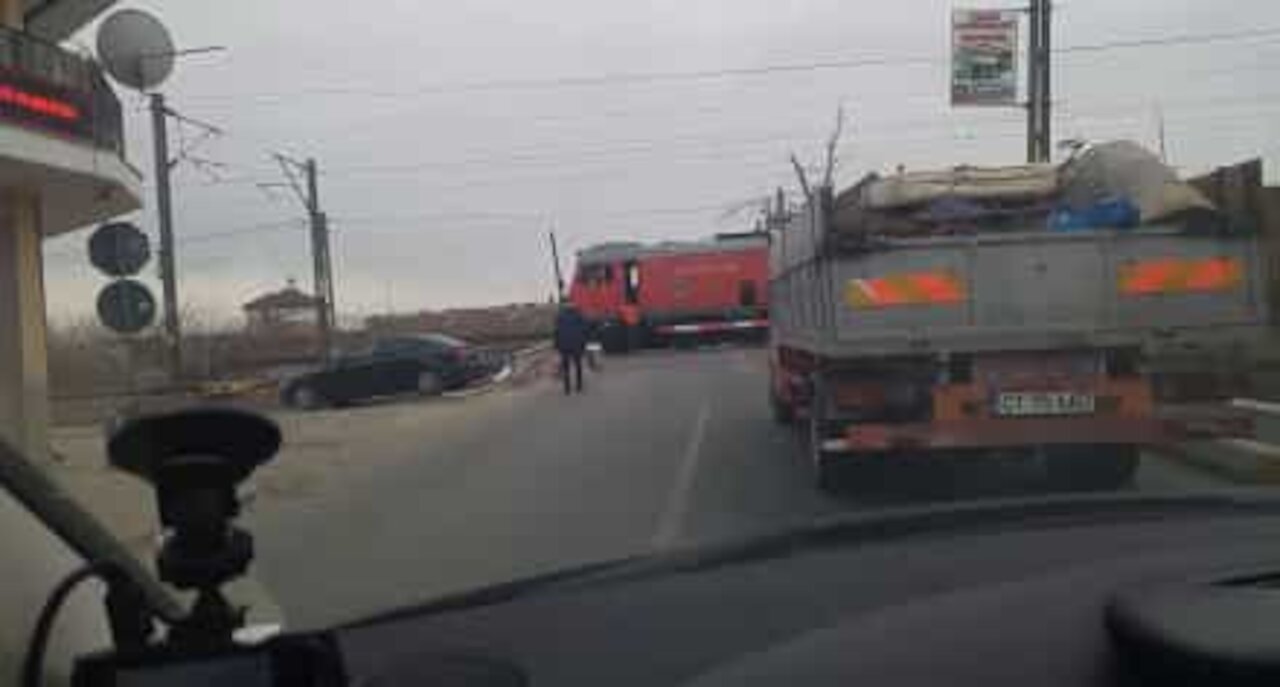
[1039,86]
[320,255]
[1164,152]
[322,264]
[555,264]
[164,211]
[1046,80]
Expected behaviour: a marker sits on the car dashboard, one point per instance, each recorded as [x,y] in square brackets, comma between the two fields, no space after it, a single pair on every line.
[994,597]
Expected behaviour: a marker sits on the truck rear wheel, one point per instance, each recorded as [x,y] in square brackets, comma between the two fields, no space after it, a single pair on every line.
[1090,467]
[827,473]
[826,476]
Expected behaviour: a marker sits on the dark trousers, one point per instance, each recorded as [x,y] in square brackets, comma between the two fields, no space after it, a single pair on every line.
[571,359]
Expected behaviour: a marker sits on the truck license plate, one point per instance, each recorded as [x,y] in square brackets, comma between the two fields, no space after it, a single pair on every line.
[1044,403]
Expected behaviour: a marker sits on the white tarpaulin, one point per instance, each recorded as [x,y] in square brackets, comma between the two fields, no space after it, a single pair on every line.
[974,183]
[1124,169]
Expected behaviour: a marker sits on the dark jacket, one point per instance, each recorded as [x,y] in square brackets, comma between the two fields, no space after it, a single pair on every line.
[571,331]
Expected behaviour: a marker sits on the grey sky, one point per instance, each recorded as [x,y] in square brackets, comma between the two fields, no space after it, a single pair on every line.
[441,172]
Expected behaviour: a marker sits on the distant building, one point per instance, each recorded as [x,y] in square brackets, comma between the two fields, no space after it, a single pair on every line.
[286,311]
[516,321]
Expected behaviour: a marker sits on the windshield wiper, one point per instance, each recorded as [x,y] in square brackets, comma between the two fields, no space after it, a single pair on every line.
[79,530]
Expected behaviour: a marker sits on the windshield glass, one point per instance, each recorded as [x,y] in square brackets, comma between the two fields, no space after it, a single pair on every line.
[721,269]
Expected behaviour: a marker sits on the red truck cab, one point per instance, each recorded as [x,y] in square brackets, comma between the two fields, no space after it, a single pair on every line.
[637,294]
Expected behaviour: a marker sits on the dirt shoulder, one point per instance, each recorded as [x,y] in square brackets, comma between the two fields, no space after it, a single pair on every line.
[321,454]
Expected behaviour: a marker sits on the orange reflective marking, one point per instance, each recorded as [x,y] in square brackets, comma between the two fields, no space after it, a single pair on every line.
[887,292]
[1148,277]
[1174,275]
[1219,273]
[856,294]
[940,288]
[913,288]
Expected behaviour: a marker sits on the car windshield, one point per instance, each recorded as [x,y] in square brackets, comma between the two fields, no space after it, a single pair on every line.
[720,269]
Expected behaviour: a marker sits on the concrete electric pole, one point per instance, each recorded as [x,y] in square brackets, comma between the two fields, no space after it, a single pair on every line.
[164,213]
[320,257]
[137,51]
[555,264]
[1039,82]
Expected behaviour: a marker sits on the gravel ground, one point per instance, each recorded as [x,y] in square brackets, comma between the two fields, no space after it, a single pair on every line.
[322,452]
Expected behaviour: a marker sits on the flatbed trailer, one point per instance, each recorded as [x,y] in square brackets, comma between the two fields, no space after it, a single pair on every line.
[1031,341]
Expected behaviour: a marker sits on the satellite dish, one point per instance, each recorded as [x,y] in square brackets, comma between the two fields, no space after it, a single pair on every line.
[135,48]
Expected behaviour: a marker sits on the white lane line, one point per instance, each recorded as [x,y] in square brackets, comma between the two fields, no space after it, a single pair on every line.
[678,501]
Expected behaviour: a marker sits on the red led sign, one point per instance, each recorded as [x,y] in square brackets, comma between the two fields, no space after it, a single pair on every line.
[38,104]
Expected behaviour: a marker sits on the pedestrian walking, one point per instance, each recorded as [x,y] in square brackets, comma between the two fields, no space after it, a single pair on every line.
[571,342]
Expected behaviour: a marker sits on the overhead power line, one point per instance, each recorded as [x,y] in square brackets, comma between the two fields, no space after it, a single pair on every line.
[244,230]
[1180,39]
[634,78]
[561,82]
[367,123]
[499,165]
[469,217]
[527,217]
[553,158]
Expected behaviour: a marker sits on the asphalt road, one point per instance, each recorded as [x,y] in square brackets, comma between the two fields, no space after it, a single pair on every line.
[665,449]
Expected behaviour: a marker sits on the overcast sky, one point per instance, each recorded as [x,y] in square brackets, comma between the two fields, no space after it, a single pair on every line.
[452,136]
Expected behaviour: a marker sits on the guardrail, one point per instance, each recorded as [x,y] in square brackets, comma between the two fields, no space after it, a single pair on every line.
[1246,460]
[45,86]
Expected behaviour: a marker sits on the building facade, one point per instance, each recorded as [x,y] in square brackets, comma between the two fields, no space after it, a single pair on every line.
[62,166]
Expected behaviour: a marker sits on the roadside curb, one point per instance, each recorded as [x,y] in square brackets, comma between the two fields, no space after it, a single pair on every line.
[1243,461]
[495,382]
[532,350]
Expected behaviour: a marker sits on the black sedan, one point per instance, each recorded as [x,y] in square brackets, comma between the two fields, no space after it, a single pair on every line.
[424,364]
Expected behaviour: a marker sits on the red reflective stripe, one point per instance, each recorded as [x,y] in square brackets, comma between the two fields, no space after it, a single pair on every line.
[705,327]
[938,288]
[1149,277]
[909,288]
[1173,275]
[884,292]
[1214,274]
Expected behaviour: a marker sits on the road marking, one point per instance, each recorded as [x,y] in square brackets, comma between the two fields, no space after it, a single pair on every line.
[678,502]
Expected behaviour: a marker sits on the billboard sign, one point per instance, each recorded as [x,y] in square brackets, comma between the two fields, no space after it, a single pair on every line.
[984,63]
